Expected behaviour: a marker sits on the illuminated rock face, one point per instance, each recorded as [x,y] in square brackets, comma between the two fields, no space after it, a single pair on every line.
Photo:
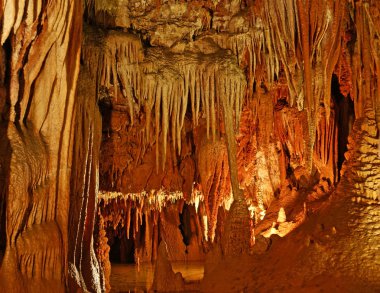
[210,126]
[48,177]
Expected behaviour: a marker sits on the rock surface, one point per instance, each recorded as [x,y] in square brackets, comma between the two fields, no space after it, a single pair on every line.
[208,125]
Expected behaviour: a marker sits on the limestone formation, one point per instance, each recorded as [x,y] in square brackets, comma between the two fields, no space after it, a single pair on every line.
[240,133]
[164,277]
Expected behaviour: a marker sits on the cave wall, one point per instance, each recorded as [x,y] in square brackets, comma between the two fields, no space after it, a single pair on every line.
[40,152]
[200,101]
[336,247]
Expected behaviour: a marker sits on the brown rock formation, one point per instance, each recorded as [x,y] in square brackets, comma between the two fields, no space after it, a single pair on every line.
[41,45]
[164,277]
[207,125]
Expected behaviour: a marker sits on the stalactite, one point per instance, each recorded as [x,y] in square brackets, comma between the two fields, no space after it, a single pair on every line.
[150,82]
[154,200]
[307,39]
[112,58]
[366,51]
[251,49]
[326,146]
[282,20]
[170,89]
[127,211]
[194,76]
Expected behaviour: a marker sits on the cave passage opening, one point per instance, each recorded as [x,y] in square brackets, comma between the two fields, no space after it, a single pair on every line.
[344,119]
[185,226]
[135,240]
[2,231]
[122,248]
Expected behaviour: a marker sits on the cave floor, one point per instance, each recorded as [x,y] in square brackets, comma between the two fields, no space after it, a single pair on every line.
[128,278]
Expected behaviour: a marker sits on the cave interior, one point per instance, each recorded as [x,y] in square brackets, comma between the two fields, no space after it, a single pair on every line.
[190,146]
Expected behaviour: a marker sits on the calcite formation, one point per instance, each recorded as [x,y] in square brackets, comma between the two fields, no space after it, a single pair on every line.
[244,134]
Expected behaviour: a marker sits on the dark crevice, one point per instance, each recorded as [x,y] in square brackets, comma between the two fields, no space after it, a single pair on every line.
[185,226]
[5,147]
[344,119]
[122,249]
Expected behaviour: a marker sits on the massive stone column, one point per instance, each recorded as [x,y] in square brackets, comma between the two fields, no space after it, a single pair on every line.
[84,270]
[41,43]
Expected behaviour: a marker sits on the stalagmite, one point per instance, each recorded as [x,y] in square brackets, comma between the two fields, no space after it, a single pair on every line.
[165,278]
